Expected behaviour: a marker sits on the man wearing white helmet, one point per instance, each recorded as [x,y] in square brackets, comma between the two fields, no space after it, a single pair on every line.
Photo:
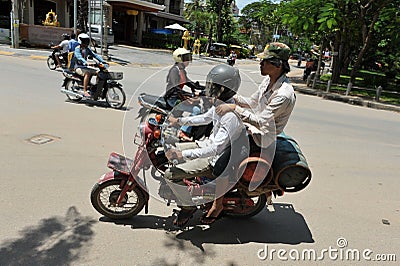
[177,78]
[80,61]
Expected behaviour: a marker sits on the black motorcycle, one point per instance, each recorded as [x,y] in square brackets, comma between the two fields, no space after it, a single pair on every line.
[231,61]
[106,87]
[152,105]
[52,62]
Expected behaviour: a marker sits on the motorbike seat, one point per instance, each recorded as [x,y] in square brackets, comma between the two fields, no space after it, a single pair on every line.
[154,100]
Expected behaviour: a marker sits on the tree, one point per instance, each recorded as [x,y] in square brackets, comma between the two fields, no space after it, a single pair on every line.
[369,14]
[197,13]
[385,44]
[224,16]
[349,23]
[82,15]
[260,15]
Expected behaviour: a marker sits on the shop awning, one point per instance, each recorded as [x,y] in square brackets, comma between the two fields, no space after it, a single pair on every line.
[169,16]
[137,4]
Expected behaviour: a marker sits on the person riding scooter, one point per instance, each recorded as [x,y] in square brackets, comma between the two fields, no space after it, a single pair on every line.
[176,80]
[63,46]
[81,65]
[232,58]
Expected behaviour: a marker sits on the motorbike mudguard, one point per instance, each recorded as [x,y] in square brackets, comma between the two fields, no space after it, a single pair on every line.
[142,112]
[108,176]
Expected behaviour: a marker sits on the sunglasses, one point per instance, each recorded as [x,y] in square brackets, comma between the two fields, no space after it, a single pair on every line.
[273,61]
[187,58]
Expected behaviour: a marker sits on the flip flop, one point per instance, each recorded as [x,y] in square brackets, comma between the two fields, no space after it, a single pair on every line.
[211,219]
[86,95]
[183,217]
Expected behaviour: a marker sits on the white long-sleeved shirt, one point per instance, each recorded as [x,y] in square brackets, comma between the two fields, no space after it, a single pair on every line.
[264,105]
[226,129]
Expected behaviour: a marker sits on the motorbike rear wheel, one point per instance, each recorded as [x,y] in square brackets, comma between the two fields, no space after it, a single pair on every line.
[115,97]
[71,86]
[50,63]
[259,204]
[104,196]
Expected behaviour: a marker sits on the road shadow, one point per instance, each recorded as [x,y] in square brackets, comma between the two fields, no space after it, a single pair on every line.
[119,61]
[54,241]
[101,104]
[283,225]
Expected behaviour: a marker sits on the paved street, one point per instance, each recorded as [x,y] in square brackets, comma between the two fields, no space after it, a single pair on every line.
[47,218]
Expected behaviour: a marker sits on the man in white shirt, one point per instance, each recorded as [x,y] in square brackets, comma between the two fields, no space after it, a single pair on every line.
[200,158]
[269,108]
[63,46]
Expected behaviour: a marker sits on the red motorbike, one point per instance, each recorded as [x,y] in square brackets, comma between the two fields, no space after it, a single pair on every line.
[121,193]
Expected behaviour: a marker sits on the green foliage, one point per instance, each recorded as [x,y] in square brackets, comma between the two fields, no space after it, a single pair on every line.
[154,40]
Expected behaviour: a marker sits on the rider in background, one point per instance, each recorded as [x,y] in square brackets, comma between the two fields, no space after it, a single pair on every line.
[72,44]
[232,58]
[81,54]
[177,78]
[63,46]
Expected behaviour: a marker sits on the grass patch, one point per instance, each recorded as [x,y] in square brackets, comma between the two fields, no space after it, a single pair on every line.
[362,93]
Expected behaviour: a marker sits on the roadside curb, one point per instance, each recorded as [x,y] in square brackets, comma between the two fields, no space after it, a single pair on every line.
[354,100]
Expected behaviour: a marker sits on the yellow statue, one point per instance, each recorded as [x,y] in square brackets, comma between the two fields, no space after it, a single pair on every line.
[196,47]
[185,39]
[51,19]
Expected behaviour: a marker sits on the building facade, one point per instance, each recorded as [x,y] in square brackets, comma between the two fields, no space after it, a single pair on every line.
[129,18]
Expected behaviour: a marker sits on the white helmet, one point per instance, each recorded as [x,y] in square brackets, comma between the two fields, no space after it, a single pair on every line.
[182,55]
[83,38]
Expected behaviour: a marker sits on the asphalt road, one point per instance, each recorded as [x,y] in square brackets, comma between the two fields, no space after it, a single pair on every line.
[47,218]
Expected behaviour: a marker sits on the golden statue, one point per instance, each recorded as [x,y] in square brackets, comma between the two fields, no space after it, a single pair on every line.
[51,19]
[185,39]
[196,46]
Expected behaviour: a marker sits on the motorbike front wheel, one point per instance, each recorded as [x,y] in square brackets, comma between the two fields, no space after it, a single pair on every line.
[104,197]
[50,63]
[115,97]
[72,85]
[259,204]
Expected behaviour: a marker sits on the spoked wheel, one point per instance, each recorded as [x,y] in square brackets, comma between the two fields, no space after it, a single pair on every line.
[104,198]
[248,210]
[72,85]
[115,97]
[50,63]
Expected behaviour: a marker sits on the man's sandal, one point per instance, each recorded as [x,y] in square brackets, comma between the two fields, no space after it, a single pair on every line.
[183,217]
[210,219]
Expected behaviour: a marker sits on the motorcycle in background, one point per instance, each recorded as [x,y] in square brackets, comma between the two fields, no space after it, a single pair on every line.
[52,62]
[106,87]
[231,59]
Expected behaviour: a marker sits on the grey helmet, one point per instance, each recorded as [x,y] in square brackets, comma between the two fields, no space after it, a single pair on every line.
[222,82]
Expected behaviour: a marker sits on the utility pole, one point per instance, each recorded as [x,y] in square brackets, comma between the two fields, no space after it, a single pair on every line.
[75,15]
[15,25]
[106,14]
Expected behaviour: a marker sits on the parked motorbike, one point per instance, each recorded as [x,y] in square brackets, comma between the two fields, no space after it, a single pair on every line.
[106,87]
[311,67]
[121,193]
[52,62]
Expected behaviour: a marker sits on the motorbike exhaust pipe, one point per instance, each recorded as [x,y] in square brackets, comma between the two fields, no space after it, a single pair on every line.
[74,94]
